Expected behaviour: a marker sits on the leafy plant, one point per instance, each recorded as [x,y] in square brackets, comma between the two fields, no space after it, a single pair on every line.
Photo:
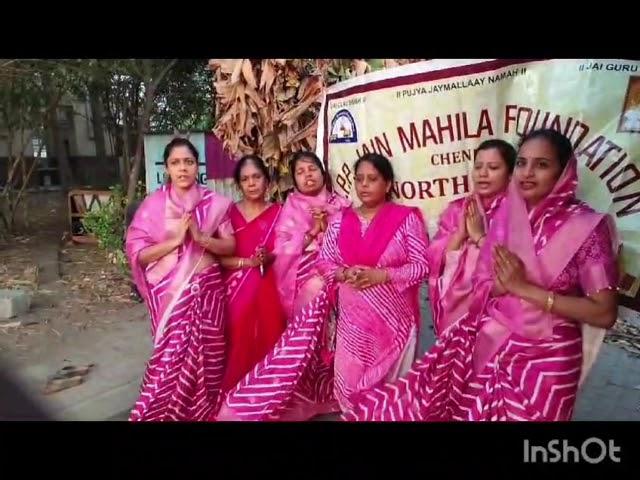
[107,224]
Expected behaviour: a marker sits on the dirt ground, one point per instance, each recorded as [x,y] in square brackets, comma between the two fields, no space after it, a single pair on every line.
[74,287]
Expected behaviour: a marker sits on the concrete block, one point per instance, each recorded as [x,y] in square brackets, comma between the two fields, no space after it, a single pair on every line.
[14,303]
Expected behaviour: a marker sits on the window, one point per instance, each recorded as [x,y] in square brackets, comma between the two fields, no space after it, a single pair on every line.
[39,147]
[65,116]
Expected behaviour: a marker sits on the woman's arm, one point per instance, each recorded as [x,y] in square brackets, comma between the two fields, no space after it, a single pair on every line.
[597,273]
[235,263]
[600,309]
[156,252]
[219,246]
[225,245]
[416,269]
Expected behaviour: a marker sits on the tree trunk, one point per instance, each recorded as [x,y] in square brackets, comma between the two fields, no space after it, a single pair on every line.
[151,86]
[97,118]
[126,153]
[143,121]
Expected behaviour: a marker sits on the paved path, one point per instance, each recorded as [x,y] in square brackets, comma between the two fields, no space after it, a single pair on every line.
[612,391]
[119,353]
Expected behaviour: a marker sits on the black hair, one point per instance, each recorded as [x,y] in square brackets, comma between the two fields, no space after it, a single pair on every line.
[179,142]
[561,144]
[257,161]
[310,156]
[506,150]
[380,163]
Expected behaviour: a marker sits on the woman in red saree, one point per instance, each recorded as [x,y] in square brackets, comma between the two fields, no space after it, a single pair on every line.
[255,317]
[294,381]
[172,245]
[546,280]
[453,253]
[375,258]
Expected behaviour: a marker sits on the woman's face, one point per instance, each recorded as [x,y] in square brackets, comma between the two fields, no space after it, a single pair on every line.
[253,183]
[308,177]
[537,170]
[182,167]
[490,174]
[371,186]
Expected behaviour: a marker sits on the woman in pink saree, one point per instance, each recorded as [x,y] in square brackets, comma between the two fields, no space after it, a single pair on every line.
[545,281]
[294,381]
[453,253]
[255,317]
[375,257]
[172,245]
[300,232]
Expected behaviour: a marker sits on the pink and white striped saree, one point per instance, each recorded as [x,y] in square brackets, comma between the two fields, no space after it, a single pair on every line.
[377,327]
[185,294]
[295,380]
[508,360]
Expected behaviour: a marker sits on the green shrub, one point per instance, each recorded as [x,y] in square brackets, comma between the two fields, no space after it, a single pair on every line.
[106,224]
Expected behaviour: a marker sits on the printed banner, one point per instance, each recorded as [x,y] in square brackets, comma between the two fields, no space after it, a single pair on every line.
[429,117]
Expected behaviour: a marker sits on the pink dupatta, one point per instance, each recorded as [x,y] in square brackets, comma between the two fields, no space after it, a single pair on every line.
[546,239]
[295,221]
[157,220]
[366,250]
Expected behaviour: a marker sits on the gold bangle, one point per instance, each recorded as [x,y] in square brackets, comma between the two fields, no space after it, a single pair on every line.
[241,263]
[551,298]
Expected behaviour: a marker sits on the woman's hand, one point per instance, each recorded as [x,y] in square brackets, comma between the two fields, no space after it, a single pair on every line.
[473,222]
[264,257]
[198,237]
[260,255]
[369,277]
[509,270]
[461,233]
[252,262]
[183,227]
[459,236]
[319,221]
[347,275]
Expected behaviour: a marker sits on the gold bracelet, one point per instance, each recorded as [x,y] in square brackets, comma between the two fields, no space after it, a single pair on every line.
[241,263]
[551,298]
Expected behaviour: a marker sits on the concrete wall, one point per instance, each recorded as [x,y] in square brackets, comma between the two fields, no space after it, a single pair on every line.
[81,141]
[77,129]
